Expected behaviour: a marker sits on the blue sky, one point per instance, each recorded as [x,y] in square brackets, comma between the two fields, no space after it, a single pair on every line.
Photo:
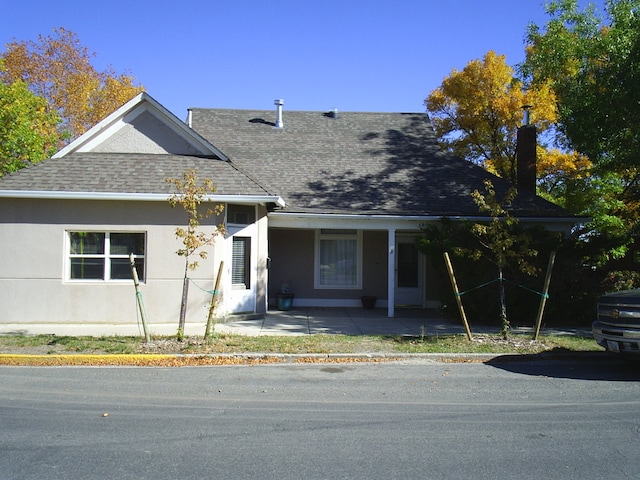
[353,55]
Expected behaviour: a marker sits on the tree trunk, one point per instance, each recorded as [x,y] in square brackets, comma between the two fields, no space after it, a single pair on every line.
[503,308]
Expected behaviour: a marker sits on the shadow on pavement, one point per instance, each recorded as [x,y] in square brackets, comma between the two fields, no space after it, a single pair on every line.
[559,363]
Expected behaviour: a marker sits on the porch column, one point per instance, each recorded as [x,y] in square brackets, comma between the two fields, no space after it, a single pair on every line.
[391,277]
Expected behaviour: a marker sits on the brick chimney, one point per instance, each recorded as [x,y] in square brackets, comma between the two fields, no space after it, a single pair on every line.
[526,142]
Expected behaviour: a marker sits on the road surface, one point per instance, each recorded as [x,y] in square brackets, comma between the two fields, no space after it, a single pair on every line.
[510,418]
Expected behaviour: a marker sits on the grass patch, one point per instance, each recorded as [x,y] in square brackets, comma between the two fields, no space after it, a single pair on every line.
[68,344]
[304,344]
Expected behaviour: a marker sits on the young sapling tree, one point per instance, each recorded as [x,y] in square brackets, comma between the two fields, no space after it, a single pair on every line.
[499,242]
[190,194]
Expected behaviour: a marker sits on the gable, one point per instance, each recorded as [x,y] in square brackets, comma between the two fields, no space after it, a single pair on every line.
[145,133]
[142,126]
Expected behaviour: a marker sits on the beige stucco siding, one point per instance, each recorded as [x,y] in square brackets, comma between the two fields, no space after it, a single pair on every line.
[147,134]
[262,263]
[34,287]
[292,254]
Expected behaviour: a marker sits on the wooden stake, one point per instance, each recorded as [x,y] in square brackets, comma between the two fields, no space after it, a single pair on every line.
[457,294]
[545,291]
[183,307]
[136,284]
[214,301]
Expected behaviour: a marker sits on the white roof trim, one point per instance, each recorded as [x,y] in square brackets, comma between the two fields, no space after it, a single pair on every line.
[141,102]
[384,222]
[140,197]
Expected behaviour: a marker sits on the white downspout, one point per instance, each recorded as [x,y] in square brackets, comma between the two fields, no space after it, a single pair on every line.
[391,268]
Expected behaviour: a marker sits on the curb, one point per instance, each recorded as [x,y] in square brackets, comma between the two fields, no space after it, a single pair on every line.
[176,360]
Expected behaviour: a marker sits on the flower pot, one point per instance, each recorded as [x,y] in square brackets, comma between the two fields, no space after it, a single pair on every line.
[285,301]
[368,301]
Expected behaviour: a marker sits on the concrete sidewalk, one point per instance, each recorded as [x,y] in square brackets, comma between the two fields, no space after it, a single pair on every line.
[358,321]
[345,321]
[299,321]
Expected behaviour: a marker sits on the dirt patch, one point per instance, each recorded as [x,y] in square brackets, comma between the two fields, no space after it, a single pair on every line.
[173,345]
[514,343]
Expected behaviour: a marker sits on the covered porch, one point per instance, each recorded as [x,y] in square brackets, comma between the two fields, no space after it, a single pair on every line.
[335,260]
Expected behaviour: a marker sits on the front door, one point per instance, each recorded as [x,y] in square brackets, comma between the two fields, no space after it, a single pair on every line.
[409,272]
[242,271]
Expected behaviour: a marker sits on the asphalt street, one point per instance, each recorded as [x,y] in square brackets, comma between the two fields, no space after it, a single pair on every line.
[509,418]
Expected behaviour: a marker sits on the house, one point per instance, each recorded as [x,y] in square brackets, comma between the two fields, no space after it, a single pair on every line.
[324,205]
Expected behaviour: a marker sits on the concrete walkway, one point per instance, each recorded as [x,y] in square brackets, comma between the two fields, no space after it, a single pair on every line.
[299,321]
[345,321]
[358,321]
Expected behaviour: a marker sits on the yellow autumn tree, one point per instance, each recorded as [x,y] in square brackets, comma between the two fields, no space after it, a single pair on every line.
[58,68]
[476,113]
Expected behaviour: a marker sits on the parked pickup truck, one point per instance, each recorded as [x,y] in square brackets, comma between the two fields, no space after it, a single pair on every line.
[617,327]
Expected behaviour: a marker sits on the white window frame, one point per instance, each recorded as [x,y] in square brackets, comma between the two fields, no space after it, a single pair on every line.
[106,257]
[321,235]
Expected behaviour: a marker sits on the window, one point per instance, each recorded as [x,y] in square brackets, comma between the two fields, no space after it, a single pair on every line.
[338,259]
[241,214]
[105,255]
[241,263]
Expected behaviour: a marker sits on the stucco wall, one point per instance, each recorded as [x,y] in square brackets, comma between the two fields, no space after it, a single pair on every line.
[291,254]
[33,282]
[147,134]
[292,262]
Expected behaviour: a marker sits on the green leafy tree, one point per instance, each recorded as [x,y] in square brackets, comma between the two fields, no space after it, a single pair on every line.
[190,194]
[28,128]
[500,243]
[594,68]
[593,65]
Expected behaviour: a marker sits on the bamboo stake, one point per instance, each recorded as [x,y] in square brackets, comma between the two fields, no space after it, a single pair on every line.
[214,301]
[457,294]
[545,291]
[136,284]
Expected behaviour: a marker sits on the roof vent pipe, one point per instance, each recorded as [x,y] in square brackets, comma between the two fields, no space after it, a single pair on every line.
[278,104]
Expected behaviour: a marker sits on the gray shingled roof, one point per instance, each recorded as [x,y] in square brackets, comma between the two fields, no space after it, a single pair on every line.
[360,163]
[126,173]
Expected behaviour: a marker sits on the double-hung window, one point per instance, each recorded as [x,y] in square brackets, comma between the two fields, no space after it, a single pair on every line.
[105,255]
[338,262]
